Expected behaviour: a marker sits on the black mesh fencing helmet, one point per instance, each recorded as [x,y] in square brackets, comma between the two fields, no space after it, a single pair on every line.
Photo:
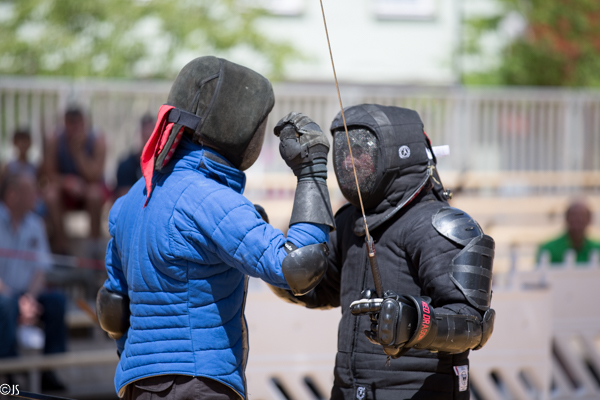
[392,155]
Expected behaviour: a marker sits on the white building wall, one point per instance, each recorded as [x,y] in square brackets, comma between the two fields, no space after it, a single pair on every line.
[373,41]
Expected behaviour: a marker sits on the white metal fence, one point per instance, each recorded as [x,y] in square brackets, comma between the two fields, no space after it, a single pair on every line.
[487,129]
[525,131]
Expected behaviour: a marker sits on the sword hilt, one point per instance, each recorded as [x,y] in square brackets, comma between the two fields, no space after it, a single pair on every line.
[374,266]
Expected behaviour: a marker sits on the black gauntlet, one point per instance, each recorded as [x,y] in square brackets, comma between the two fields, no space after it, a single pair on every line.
[399,323]
[304,148]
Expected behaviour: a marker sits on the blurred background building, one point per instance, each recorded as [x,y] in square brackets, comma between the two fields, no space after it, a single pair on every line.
[511,87]
[378,42]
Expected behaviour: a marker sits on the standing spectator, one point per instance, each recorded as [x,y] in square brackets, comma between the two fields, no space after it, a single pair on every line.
[24,260]
[22,143]
[130,170]
[74,167]
[578,217]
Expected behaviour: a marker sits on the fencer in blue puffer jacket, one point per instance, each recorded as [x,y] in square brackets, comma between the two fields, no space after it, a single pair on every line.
[185,239]
[183,261]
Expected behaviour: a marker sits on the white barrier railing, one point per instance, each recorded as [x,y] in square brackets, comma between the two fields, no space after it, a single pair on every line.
[516,362]
[487,129]
[575,326]
[544,346]
[288,344]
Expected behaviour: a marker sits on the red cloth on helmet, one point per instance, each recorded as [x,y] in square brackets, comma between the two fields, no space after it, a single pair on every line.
[427,136]
[155,145]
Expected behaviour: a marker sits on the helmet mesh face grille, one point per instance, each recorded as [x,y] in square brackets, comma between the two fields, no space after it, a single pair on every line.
[365,150]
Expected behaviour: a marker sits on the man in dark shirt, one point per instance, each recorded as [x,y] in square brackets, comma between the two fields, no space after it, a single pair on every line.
[73,171]
[129,170]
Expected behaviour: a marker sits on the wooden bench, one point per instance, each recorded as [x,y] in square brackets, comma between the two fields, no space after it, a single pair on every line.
[34,364]
[522,180]
[520,210]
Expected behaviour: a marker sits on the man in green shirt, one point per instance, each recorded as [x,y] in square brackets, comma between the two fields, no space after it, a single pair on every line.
[578,218]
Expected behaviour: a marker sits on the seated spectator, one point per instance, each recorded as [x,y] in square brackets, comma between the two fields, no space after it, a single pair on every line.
[578,217]
[24,260]
[130,170]
[22,143]
[74,166]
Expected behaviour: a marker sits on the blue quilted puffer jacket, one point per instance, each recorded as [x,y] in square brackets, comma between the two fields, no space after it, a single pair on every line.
[184,262]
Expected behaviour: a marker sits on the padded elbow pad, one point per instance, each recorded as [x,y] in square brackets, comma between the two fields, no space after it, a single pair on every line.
[284,295]
[303,268]
[456,333]
[112,310]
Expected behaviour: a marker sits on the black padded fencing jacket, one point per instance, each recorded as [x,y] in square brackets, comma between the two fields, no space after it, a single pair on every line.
[414,259]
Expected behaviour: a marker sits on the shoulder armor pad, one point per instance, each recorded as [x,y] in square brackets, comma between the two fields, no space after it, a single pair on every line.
[456,225]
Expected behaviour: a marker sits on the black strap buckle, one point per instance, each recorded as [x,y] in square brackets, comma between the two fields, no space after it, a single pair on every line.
[289,247]
[181,117]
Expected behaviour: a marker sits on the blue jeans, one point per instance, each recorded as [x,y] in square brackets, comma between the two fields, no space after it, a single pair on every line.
[53,318]
[9,315]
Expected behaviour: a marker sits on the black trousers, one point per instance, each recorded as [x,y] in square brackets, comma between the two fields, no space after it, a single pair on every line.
[179,387]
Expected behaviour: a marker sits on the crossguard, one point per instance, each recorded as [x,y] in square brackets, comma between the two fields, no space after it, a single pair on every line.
[366,306]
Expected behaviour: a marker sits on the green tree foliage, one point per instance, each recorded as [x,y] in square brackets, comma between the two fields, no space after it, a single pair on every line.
[128,38]
[560,45]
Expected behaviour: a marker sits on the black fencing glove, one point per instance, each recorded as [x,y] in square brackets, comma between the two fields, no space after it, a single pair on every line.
[303,146]
[398,323]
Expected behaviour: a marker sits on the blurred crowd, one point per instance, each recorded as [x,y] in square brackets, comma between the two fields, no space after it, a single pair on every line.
[34,200]
[70,176]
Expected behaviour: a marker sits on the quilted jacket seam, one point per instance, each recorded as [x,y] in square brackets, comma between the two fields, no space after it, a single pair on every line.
[175,207]
[221,221]
[193,211]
